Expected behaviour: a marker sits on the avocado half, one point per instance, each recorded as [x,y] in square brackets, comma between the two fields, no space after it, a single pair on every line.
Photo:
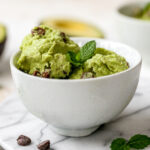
[2,38]
[74,28]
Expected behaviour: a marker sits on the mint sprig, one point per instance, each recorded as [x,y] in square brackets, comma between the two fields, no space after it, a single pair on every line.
[72,58]
[136,142]
[139,141]
[119,144]
[86,52]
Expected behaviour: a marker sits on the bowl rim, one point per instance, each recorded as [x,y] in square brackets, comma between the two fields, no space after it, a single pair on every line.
[80,80]
[129,18]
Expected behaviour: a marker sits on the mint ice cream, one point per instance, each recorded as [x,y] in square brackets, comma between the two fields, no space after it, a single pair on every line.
[49,53]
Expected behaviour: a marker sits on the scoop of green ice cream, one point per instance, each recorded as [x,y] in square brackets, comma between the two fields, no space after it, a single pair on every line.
[96,65]
[45,52]
[46,48]
[103,63]
[115,63]
[60,67]
[77,73]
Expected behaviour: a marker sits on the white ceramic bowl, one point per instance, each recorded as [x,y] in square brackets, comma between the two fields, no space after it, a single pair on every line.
[79,107]
[132,31]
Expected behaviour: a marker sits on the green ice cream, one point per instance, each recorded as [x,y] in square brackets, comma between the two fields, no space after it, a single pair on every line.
[103,63]
[48,53]
[46,48]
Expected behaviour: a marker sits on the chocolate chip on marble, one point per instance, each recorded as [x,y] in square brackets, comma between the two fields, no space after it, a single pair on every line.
[45,145]
[23,140]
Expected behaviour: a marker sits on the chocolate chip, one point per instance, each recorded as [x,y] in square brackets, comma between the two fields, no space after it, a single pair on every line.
[45,145]
[86,75]
[45,74]
[23,140]
[63,35]
[38,30]
[65,72]
[36,73]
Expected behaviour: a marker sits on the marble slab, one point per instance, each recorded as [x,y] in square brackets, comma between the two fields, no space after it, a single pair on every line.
[16,120]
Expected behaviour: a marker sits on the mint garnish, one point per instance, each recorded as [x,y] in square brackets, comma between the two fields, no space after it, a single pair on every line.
[72,59]
[86,52]
[119,144]
[136,142]
[139,141]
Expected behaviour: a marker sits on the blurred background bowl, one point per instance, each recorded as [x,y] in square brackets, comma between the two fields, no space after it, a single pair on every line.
[133,31]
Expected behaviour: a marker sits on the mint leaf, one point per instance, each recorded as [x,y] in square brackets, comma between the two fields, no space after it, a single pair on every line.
[136,142]
[71,56]
[87,51]
[119,144]
[139,141]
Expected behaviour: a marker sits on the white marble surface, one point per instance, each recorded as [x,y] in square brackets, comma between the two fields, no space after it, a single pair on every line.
[16,120]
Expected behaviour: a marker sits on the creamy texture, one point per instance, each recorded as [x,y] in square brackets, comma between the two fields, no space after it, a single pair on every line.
[60,66]
[46,48]
[103,63]
[44,54]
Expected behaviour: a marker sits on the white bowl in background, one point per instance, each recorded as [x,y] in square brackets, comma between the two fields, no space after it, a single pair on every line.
[79,107]
[133,31]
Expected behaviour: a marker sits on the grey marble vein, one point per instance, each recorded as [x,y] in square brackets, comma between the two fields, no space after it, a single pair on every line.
[133,113]
[15,120]
[41,133]
[65,138]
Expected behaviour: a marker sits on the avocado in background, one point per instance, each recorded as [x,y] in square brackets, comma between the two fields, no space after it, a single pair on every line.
[74,28]
[2,38]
